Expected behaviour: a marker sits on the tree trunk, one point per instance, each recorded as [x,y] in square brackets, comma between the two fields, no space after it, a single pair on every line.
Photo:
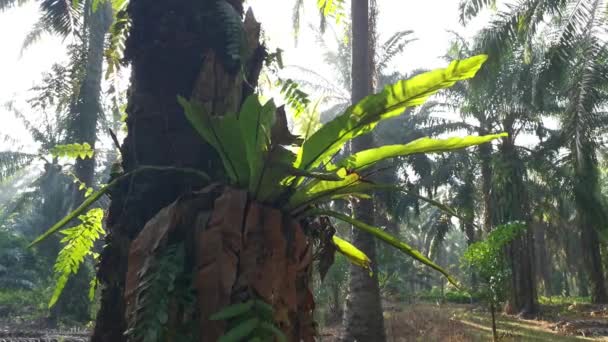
[363,314]
[543,260]
[88,109]
[591,216]
[174,49]
[522,298]
[593,262]
[469,230]
[83,129]
[485,154]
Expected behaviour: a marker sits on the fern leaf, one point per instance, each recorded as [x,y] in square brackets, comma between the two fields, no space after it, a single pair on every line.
[297,99]
[73,151]
[117,38]
[78,242]
[155,287]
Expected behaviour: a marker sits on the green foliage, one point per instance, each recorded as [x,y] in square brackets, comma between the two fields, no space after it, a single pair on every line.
[563,300]
[81,185]
[78,243]
[352,253]
[247,144]
[364,159]
[13,162]
[251,320]
[119,31]
[73,151]
[362,117]
[451,296]
[297,99]
[389,239]
[19,267]
[92,198]
[332,9]
[260,154]
[229,36]
[487,259]
[158,284]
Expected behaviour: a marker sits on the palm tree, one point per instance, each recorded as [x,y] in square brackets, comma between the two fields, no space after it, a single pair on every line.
[576,28]
[364,320]
[158,132]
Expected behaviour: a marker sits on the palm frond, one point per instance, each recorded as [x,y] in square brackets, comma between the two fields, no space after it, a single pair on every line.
[62,17]
[13,162]
[392,48]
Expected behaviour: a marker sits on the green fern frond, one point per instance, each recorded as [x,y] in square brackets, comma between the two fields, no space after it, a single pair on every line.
[73,151]
[116,42]
[230,42]
[157,285]
[78,243]
[296,98]
[252,320]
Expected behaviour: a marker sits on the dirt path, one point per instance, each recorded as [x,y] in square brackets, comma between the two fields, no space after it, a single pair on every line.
[455,323]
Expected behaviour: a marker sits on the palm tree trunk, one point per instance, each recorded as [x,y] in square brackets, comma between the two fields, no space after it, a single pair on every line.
[363,314]
[86,112]
[485,155]
[543,259]
[591,216]
[88,109]
[520,252]
[163,67]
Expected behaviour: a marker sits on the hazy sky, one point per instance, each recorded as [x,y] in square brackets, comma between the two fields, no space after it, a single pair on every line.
[430,20]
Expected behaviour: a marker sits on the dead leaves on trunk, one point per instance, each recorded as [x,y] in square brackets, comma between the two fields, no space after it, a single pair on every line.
[237,250]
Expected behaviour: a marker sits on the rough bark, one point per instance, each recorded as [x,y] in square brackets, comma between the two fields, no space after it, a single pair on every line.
[591,217]
[522,297]
[88,105]
[593,262]
[543,261]
[485,155]
[363,314]
[169,46]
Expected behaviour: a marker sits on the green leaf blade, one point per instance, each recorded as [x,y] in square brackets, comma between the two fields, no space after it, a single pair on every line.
[389,239]
[362,117]
[367,158]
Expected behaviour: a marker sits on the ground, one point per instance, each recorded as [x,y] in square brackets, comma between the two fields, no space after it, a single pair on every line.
[460,322]
[426,322]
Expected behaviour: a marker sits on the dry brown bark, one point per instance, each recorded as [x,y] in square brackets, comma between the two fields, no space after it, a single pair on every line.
[239,250]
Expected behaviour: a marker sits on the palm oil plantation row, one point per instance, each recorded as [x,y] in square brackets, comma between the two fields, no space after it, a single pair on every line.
[189,183]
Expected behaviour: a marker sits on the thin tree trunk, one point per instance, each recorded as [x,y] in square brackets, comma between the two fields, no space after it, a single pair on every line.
[363,314]
[543,261]
[485,154]
[494,331]
[469,230]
